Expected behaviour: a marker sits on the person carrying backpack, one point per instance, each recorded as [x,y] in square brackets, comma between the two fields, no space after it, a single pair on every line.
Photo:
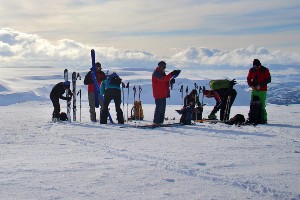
[88,80]
[224,94]
[258,78]
[111,90]
[57,93]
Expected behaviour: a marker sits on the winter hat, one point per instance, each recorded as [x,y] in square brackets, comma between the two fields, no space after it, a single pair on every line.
[67,84]
[162,64]
[256,63]
[193,92]
[98,64]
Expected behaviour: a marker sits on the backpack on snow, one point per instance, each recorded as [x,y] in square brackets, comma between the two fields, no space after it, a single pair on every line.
[63,116]
[114,79]
[238,119]
[219,84]
[186,117]
[137,111]
[255,113]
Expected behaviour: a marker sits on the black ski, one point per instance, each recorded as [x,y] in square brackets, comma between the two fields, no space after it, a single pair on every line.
[74,79]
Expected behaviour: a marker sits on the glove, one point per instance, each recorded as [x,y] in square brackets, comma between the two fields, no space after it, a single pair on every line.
[172,81]
[232,82]
[68,98]
[175,72]
[213,117]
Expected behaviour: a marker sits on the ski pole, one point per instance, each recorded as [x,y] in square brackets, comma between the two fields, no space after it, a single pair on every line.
[186,92]
[127,86]
[140,91]
[134,92]
[123,86]
[181,90]
[79,92]
[203,90]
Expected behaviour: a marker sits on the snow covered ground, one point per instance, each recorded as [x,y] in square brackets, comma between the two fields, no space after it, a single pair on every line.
[84,160]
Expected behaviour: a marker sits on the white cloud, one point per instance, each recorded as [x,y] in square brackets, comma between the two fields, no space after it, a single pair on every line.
[18,48]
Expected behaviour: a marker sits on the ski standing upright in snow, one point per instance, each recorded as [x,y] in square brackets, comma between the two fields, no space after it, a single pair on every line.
[97,89]
[67,95]
[74,79]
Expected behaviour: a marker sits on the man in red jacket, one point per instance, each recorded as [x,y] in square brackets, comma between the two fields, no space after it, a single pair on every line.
[88,80]
[258,78]
[161,90]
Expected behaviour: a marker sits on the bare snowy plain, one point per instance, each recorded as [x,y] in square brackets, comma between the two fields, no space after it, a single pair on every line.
[84,160]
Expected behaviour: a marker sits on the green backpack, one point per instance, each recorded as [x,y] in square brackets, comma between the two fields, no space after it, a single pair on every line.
[219,84]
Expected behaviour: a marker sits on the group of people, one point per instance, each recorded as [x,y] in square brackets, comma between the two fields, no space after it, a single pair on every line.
[258,78]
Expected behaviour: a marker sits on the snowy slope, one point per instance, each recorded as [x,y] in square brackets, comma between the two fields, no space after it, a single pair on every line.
[85,160]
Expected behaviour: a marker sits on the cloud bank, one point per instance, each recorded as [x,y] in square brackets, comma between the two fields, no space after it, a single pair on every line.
[23,49]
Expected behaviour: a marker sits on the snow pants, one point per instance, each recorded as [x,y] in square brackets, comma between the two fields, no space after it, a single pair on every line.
[160,109]
[112,94]
[262,97]
[91,97]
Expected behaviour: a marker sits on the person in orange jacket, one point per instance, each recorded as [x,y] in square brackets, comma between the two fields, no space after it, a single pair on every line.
[258,78]
[161,90]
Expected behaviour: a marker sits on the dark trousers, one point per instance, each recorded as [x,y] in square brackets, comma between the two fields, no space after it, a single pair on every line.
[112,94]
[160,109]
[232,96]
[56,105]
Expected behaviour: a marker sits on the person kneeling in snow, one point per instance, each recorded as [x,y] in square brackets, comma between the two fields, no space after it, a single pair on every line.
[57,93]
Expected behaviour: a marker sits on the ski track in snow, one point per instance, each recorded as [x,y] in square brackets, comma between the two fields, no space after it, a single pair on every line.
[180,168]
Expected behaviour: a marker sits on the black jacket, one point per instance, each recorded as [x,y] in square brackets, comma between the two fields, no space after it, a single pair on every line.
[58,90]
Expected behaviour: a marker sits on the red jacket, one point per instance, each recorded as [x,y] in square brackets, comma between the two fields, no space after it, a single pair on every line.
[88,80]
[160,84]
[259,76]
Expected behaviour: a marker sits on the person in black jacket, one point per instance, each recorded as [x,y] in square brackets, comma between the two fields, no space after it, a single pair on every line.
[221,97]
[57,93]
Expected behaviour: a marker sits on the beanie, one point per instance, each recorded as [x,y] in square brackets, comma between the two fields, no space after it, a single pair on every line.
[97,64]
[67,84]
[162,64]
[256,62]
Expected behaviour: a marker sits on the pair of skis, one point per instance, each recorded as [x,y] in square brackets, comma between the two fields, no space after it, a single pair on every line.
[75,76]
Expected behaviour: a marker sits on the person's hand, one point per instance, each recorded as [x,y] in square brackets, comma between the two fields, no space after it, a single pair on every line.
[68,98]
[257,87]
[172,81]
[232,82]
[175,72]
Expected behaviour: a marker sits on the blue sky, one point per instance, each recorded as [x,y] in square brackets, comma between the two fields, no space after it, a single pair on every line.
[162,29]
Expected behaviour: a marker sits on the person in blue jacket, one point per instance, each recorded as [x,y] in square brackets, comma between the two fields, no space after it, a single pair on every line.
[110,89]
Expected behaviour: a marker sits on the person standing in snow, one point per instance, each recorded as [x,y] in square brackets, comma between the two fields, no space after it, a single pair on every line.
[57,93]
[161,90]
[111,90]
[88,80]
[258,78]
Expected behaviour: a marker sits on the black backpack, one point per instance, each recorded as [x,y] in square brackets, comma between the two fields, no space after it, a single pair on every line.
[114,79]
[238,119]
[186,117]
[255,113]
[63,116]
